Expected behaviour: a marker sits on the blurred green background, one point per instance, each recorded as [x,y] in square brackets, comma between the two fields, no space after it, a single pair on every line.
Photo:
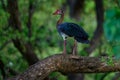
[45,40]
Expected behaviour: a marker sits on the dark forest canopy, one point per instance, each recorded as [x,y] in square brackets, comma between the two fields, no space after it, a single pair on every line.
[28,34]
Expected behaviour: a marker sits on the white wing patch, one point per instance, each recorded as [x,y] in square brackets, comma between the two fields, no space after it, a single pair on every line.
[64,36]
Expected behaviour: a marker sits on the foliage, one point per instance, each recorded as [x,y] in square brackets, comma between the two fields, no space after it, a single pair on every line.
[112,29]
[45,38]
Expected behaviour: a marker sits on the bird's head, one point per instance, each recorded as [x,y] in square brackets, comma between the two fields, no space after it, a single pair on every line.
[58,12]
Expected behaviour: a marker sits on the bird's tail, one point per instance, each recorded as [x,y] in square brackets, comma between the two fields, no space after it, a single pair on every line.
[82,40]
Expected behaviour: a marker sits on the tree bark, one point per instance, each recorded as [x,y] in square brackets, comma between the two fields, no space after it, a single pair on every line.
[76,7]
[68,64]
[2,68]
[30,14]
[3,5]
[99,30]
[14,14]
[25,48]
[77,76]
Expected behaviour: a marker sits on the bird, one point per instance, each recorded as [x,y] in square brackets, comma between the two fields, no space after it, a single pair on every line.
[68,29]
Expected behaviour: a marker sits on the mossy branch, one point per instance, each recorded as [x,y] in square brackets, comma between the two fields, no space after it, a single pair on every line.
[68,64]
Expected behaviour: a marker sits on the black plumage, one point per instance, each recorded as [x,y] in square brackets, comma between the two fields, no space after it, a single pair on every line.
[73,30]
[70,30]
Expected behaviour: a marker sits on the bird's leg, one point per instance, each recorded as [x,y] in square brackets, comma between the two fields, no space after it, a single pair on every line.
[74,51]
[64,51]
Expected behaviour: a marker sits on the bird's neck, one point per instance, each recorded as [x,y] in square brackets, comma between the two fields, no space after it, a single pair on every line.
[61,19]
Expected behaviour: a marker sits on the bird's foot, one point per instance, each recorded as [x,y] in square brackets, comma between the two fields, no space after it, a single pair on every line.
[74,57]
[74,54]
[74,51]
[64,53]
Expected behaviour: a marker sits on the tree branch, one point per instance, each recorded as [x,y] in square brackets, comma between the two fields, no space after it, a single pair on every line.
[68,64]
[76,6]
[3,4]
[99,30]
[30,14]
[2,66]
[14,14]
[26,49]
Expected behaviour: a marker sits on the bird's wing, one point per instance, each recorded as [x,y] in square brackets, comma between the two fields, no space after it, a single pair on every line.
[73,30]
